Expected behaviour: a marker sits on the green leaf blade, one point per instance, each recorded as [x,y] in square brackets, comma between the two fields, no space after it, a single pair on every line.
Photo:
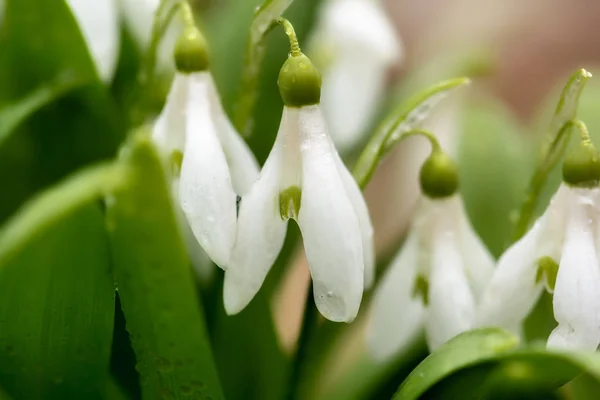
[464,350]
[56,309]
[407,116]
[156,286]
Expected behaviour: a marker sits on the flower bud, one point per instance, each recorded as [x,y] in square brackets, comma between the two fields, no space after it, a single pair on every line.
[439,176]
[299,82]
[191,54]
[581,167]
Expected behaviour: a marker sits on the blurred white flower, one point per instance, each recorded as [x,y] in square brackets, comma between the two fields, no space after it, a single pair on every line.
[566,235]
[216,163]
[357,44]
[434,282]
[304,179]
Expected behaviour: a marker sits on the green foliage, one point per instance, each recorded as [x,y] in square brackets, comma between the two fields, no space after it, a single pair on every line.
[155,281]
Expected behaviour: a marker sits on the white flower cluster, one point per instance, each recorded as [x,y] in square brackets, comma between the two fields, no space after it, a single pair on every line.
[443,280]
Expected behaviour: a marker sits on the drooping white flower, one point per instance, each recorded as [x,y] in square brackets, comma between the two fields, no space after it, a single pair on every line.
[357,44]
[560,252]
[304,179]
[566,237]
[435,280]
[216,165]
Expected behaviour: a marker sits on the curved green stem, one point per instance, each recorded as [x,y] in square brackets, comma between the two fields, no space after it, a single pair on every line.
[556,150]
[435,144]
[291,34]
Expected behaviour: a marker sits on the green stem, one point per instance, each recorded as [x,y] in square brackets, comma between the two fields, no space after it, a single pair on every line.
[557,148]
[363,179]
[309,324]
[291,34]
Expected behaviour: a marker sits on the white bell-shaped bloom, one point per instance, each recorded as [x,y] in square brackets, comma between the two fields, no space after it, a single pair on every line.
[217,165]
[567,234]
[304,179]
[434,282]
[357,44]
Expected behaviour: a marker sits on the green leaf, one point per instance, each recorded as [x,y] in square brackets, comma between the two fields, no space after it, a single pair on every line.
[494,164]
[11,116]
[486,363]
[56,296]
[465,350]
[266,15]
[156,285]
[407,116]
[39,42]
[553,149]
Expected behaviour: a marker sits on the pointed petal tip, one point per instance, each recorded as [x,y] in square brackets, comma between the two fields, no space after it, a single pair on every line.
[232,296]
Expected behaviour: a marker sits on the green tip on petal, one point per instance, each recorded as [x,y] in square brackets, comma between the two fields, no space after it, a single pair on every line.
[289,202]
[547,272]
[191,53]
[421,289]
[299,82]
[439,176]
[581,167]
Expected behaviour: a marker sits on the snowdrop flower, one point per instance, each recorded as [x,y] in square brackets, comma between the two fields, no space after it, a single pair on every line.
[304,179]
[439,274]
[213,165]
[559,253]
[357,44]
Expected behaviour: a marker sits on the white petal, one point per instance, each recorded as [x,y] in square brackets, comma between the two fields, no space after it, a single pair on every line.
[260,235]
[329,225]
[99,24]
[479,263]
[352,24]
[202,264]
[242,163]
[353,86]
[512,292]
[451,308]
[364,220]
[577,290]
[169,129]
[207,197]
[396,315]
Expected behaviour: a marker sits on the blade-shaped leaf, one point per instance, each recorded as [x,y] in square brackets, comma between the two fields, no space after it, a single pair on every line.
[57,293]
[39,42]
[266,15]
[488,362]
[156,286]
[407,116]
[463,351]
[11,116]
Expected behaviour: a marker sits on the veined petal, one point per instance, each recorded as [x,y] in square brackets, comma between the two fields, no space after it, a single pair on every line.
[364,220]
[451,308]
[329,225]
[396,315]
[242,163]
[170,127]
[260,235]
[513,290]
[577,290]
[478,262]
[99,24]
[206,195]
[353,85]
